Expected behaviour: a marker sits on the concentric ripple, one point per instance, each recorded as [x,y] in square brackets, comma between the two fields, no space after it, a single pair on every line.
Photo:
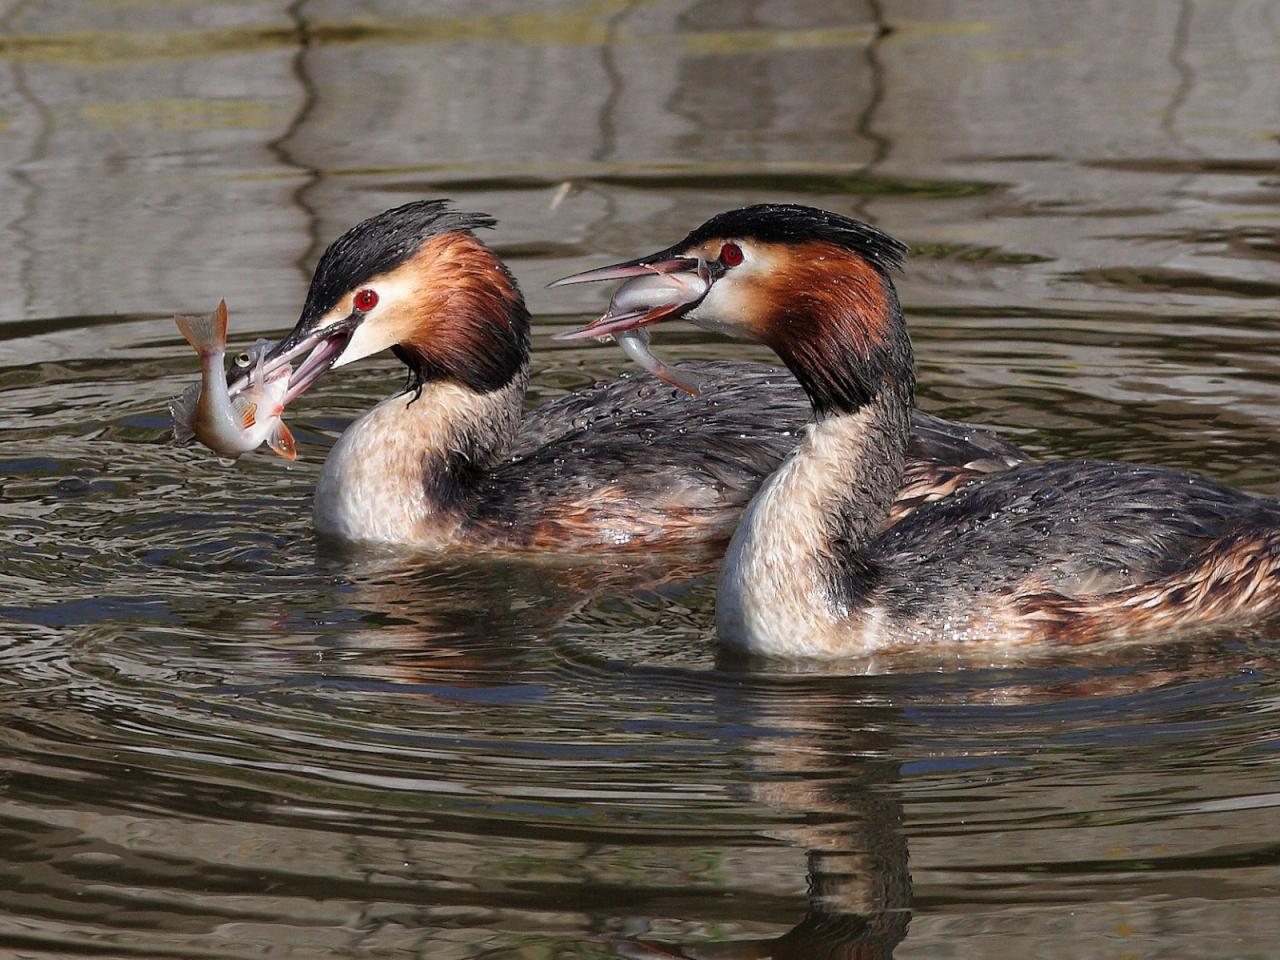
[222,740]
[219,739]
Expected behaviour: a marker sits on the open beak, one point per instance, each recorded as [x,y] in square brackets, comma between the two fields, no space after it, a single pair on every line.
[659,287]
[639,267]
[321,349]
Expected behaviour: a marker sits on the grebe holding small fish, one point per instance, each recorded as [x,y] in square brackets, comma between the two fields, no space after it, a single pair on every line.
[643,300]
[1058,553]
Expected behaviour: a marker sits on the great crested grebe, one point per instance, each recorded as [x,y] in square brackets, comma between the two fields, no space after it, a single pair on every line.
[1067,552]
[450,461]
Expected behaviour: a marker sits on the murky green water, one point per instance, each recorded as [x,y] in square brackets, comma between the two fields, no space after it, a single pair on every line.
[218,742]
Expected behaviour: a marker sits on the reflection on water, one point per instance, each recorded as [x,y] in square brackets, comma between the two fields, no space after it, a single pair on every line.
[221,739]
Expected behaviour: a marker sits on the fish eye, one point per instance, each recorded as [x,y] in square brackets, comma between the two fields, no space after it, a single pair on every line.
[731,254]
[243,360]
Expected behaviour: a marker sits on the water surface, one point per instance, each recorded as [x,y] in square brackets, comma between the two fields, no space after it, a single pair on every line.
[222,740]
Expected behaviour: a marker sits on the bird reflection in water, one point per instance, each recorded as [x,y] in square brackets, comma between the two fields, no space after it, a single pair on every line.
[429,619]
[827,781]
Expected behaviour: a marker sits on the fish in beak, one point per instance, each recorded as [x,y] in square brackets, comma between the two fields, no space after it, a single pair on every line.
[658,288]
[207,411]
[321,349]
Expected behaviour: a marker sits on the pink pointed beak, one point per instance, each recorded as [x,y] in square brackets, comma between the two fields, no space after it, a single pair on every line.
[321,349]
[640,267]
[655,290]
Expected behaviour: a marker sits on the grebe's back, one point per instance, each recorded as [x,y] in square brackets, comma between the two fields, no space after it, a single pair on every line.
[640,462]
[1085,550]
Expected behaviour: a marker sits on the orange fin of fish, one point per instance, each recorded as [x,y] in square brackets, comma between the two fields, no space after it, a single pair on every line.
[219,319]
[205,334]
[281,442]
[247,411]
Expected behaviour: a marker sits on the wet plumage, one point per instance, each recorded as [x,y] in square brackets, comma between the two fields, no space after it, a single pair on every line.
[1151,547]
[1069,552]
[641,461]
[452,462]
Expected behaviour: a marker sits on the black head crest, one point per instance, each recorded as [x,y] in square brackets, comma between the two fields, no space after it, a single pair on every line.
[795,223]
[380,244]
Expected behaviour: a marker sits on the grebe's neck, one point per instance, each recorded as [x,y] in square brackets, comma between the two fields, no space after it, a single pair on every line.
[797,573]
[407,469]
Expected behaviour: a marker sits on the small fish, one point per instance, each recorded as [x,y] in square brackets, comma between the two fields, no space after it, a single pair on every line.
[635,344]
[644,295]
[206,410]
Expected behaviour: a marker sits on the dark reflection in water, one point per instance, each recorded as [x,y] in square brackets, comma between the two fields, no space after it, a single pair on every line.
[222,739]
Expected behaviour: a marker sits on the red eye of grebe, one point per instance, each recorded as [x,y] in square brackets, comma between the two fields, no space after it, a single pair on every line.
[366,300]
[731,254]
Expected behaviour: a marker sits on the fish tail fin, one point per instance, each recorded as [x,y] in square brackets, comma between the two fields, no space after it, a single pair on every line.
[205,334]
[281,442]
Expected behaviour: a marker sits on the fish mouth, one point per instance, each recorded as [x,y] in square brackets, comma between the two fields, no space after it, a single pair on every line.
[659,288]
[322,348]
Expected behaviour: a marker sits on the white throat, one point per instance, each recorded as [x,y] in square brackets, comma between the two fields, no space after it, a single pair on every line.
[375,485]
[775,596]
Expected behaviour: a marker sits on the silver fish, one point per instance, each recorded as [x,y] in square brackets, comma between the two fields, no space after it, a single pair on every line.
[206,411]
